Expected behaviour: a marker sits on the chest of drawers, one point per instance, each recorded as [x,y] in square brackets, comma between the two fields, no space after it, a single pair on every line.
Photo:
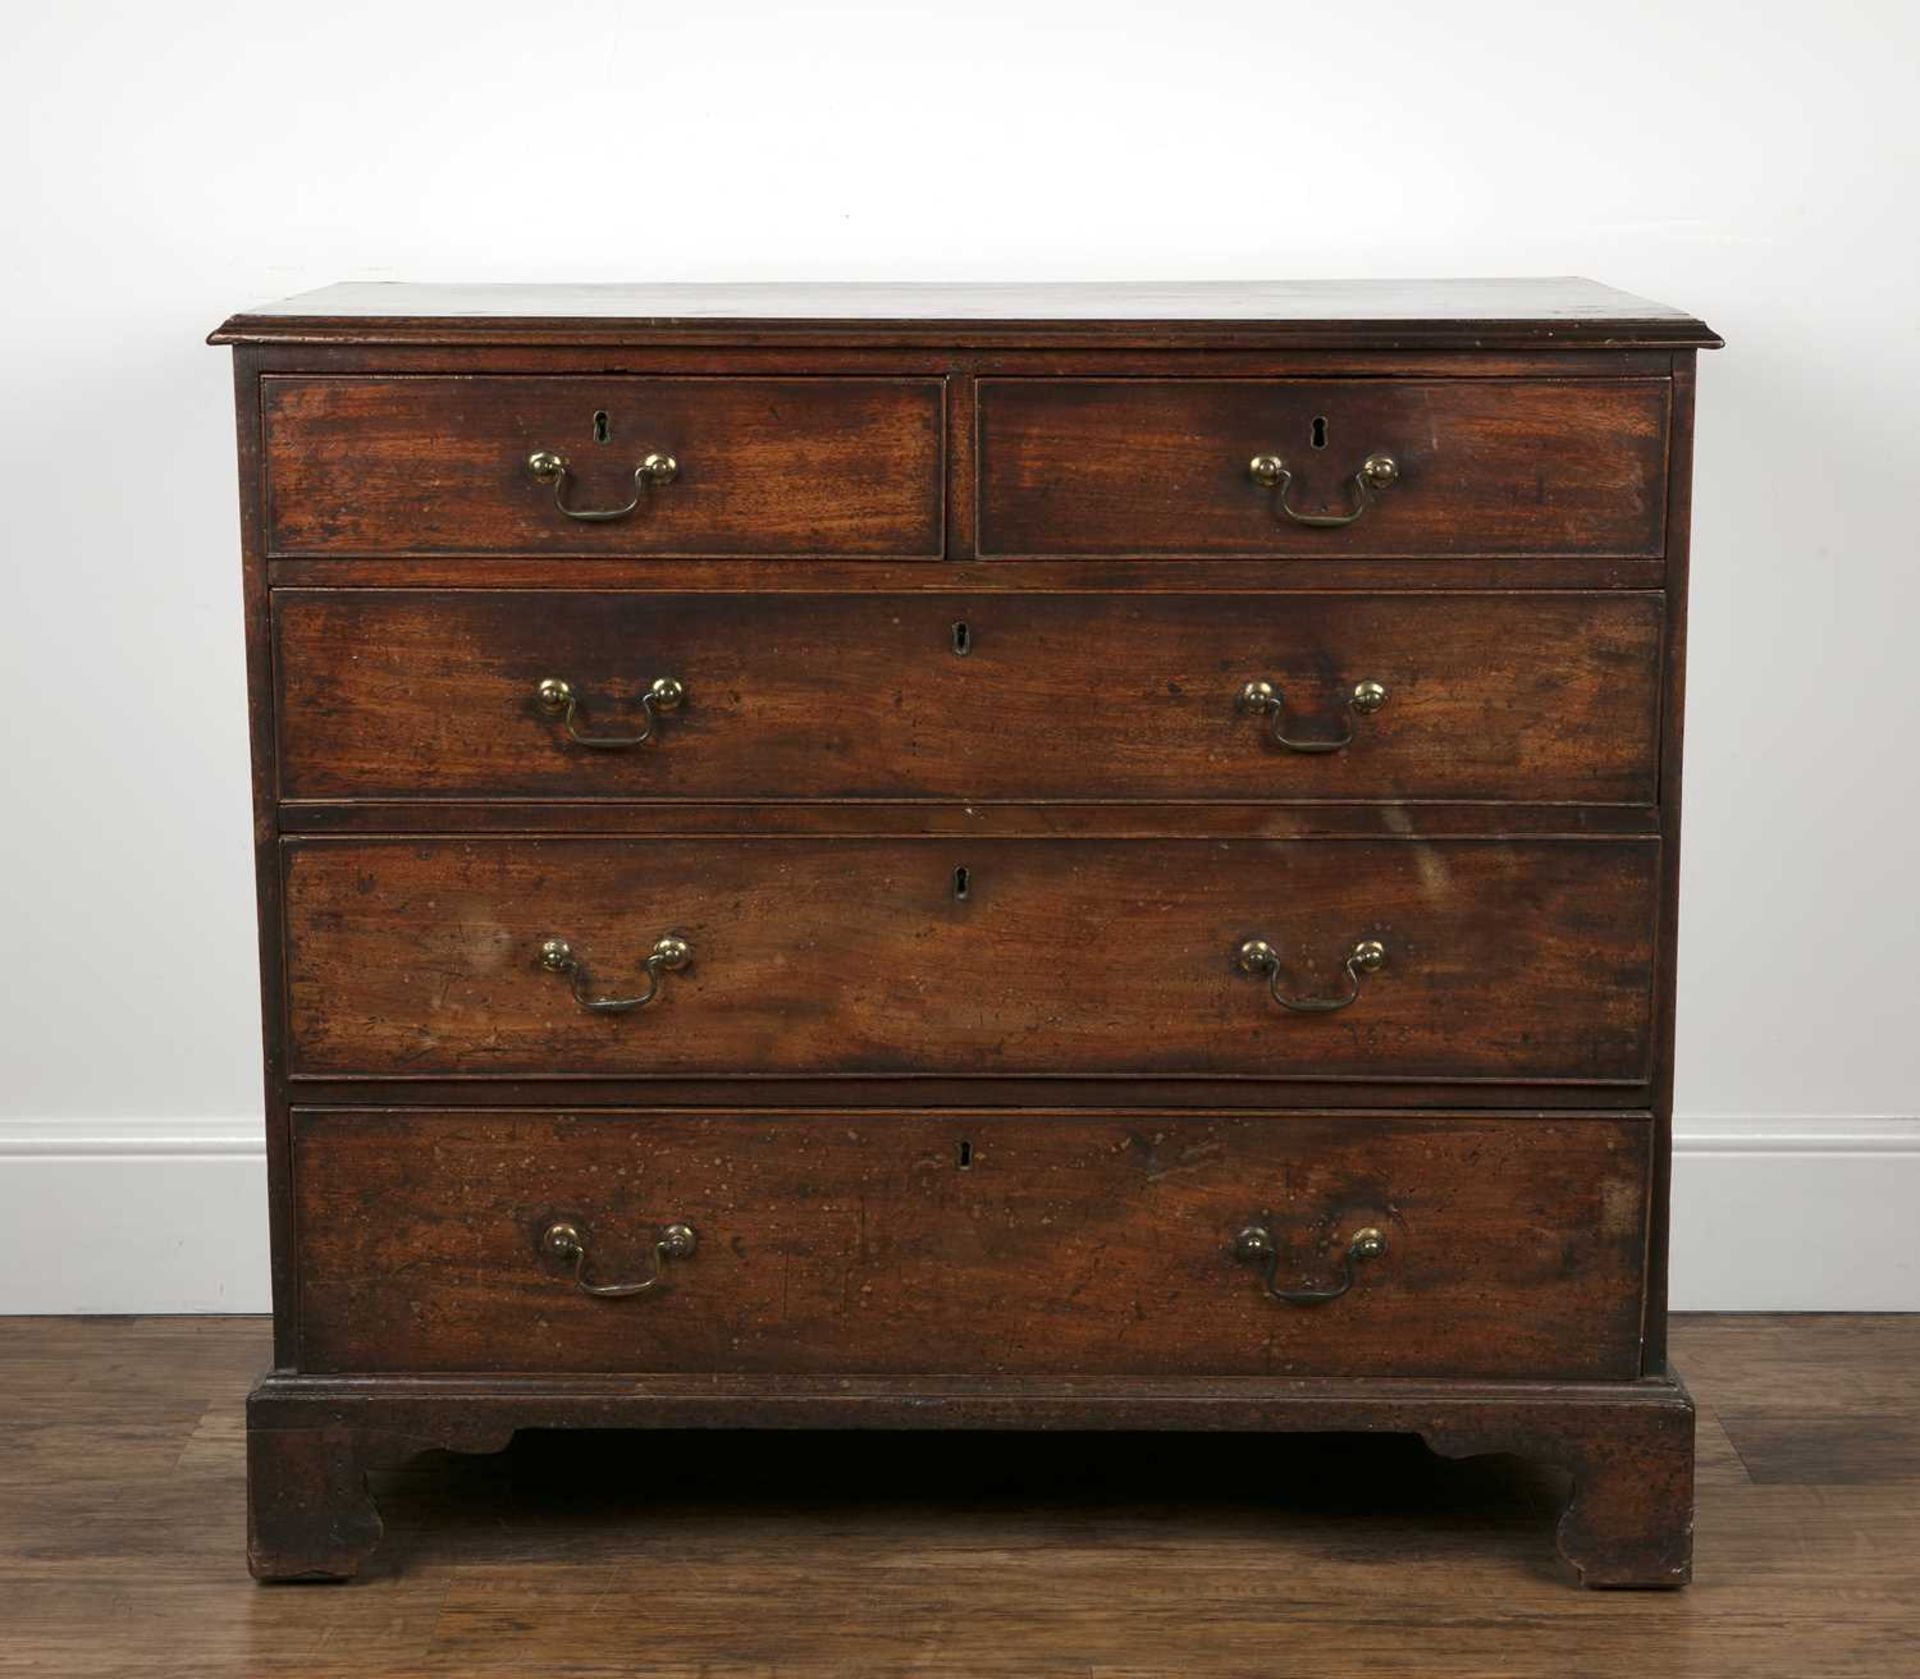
[968,857]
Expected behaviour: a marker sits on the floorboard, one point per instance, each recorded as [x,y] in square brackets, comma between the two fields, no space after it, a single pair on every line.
[804,1557]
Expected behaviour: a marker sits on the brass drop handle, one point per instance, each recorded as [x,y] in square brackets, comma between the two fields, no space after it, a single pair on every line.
[1364,701]
[566,1240]
[1257,957]
[1255,1246]
[670,954]
[654,471]
[1375,474]
[557,697]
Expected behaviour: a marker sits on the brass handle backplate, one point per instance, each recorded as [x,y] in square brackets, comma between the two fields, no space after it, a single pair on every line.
[1257,957]
[1255,1245]
[557,696]
[654,472]
[1364,701]
[1375,474]
[567,1240]
[670,954]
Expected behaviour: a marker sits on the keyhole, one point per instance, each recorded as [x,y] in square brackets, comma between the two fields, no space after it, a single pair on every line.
[962,641]
[962,885]
[1320,431]
[602,426]
[965,1154]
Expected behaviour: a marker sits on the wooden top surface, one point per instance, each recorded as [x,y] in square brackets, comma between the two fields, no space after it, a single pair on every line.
[1309,314]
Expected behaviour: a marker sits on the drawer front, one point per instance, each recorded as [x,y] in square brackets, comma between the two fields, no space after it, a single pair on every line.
[1500,960]
[401,694]
[924,1243]
[746,467]
[1478,466]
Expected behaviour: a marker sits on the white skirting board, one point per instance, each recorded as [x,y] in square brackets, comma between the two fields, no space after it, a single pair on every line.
[170,1216]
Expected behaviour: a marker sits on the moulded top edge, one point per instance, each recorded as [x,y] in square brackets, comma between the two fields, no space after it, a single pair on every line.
[1364,314]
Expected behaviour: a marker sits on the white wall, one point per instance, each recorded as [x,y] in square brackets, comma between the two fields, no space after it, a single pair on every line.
[1755,162]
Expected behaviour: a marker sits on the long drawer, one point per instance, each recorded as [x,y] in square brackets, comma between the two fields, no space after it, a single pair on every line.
[1378,959]
[1296,468]
[401,694]
[763,468]
[917,1243]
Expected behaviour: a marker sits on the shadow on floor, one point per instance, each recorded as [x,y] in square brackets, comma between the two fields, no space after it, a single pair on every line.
[600,1486]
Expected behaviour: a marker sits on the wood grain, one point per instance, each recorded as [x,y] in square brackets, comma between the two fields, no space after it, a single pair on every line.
[1673,716]
[1506,960]
[1563,313]
[1165,575]
[767,468]
[1075,459]
[927,1243]
[977,818]
[562,353]
[1026,1555]
[402,694]
[1160,466]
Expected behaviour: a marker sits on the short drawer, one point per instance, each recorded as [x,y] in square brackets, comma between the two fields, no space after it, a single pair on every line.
[613,466]
[1476,960]
[405,694]
[926,1243]
[1359,468]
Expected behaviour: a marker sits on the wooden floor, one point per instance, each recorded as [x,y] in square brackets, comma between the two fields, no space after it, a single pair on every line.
[980,1555]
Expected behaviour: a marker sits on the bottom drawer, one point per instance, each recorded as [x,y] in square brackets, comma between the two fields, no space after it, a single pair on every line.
[945,1243]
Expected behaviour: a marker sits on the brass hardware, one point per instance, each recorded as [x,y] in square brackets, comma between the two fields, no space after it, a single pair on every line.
[654,471]
[557,696]
[1255,1246]
[670,954]
[566,1240]
[1375,474]
[1256,956]
[1366,699]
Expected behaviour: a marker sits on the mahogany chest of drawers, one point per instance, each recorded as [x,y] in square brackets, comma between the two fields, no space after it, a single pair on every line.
[967,857]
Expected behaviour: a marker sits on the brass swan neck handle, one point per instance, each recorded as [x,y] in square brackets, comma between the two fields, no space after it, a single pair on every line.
[566,1240]
[1375,474]
[1255,1245]
[1262,696]
[670,954]
[558,698]
[546,466]
[1259,958]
